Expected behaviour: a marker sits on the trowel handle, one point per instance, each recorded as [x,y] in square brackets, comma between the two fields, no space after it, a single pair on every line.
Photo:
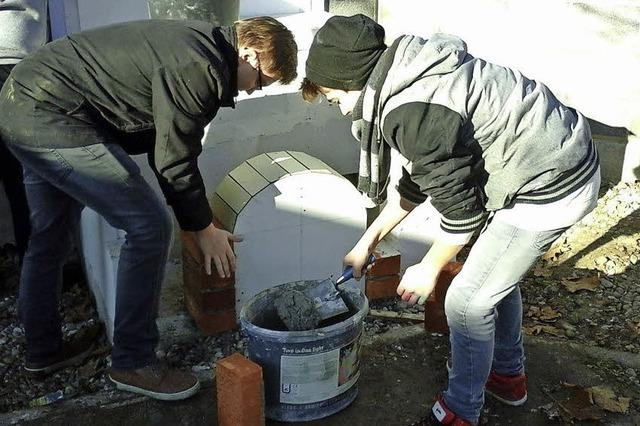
[348,272]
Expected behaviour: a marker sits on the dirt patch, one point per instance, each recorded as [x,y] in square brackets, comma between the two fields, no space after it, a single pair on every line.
[587,287]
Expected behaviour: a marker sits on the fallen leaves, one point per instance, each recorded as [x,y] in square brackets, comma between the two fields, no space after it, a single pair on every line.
[579,406]
[584,283]
[535,329]
[590,403]
[546,314]
[543,272]
[635,328]
[604,397]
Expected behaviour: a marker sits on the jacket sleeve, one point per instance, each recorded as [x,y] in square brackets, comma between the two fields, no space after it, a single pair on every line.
[441,166]
[184,101]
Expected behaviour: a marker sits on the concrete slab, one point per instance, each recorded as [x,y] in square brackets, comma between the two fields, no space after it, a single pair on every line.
[401,371]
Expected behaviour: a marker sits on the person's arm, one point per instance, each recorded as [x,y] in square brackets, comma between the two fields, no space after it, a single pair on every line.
[184,101]
[390,216]
[443,166]
[419,280]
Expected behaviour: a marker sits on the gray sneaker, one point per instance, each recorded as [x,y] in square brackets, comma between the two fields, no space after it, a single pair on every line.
[156,381]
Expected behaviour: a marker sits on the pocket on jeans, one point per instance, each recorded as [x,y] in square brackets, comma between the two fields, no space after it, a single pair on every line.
[121,164]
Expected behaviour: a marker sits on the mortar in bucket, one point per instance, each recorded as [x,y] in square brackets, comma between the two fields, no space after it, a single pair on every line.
[310,374]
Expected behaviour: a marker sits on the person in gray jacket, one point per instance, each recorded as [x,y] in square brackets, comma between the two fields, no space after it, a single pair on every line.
[489,147]
[24,29]
[73,113]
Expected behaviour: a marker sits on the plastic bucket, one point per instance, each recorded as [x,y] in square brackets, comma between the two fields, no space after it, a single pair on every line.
[311,374]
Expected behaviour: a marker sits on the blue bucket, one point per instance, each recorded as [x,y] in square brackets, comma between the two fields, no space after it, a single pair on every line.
[311,374]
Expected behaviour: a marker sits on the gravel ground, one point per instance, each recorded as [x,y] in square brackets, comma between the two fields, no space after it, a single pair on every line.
[599,256]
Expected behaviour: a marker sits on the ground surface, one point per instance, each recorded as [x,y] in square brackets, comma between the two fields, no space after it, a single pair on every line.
[585,293]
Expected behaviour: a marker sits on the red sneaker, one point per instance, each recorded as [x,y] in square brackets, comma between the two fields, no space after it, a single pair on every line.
[509,390]
[441,415]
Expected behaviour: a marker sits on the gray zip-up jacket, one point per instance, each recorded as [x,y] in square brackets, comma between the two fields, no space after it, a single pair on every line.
[478,136]
[23,28]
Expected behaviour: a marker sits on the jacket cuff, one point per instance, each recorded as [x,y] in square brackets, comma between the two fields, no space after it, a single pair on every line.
[463,225]
[192,214]
[410,192]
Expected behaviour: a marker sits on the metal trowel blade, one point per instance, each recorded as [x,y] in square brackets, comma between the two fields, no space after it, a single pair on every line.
[327,298]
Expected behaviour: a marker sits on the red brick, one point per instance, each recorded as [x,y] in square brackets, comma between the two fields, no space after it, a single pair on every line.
[216,322]
[215,300]
[240,392]
[210,321]
[384,266]
[387,260]
[382,287]
[435,319]
[210,300]
[192,269]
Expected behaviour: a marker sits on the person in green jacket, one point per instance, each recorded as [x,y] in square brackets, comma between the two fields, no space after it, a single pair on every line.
[74,112]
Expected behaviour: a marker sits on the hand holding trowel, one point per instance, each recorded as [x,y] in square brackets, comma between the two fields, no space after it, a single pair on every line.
[321,300]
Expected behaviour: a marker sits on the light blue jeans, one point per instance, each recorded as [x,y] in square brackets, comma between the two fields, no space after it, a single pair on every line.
[484,312]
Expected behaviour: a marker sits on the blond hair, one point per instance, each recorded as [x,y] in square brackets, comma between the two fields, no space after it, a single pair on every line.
[274,44]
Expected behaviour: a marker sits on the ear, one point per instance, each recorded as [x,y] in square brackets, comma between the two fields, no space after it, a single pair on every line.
[248,54]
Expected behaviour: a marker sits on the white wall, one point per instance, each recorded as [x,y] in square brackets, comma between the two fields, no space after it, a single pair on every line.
[587,52]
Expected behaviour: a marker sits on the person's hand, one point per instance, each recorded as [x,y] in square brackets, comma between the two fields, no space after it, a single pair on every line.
[357,258]
[417,283]
[214,243]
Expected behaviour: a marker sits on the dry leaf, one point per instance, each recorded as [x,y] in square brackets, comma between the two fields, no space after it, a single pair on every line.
[548,314]
[579,406]
[534,330]
[604,397]
[532,312]
[585,283]
[539,271]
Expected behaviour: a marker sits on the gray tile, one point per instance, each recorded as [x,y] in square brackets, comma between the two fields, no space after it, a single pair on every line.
[252,181]
[266,167]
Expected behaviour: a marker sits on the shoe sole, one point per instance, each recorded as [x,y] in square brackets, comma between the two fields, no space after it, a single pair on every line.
[512,403]
[71,362]
[177,396]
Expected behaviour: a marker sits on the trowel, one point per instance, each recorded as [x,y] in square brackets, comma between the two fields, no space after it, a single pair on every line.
[317,301]
[326,294]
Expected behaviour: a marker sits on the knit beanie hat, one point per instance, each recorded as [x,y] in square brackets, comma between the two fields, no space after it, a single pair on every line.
[344,52]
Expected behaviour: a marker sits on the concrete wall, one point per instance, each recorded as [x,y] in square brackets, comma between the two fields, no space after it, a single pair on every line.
[586,52]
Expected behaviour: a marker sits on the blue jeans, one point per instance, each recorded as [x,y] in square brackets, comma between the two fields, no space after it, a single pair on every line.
[11,177]
[484,312]
[59,182]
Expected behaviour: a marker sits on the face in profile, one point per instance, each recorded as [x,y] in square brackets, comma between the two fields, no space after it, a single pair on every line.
[345,100]
[251,76]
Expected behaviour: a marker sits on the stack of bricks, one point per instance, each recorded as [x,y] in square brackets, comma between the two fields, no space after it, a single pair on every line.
[210,299]
[435,319]
[240,392]
[384,276]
